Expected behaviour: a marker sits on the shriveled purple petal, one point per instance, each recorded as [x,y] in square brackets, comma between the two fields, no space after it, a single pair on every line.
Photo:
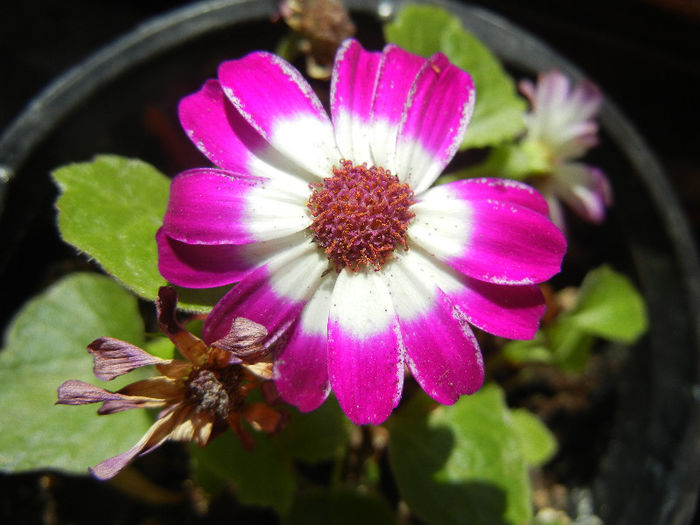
[352,87]
[156,435]
[365,357]
[114,358]
[76,392]
[244,339]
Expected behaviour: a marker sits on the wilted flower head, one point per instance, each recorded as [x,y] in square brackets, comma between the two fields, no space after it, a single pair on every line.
[339,247]
[198,398]
[562,123]
[321,26]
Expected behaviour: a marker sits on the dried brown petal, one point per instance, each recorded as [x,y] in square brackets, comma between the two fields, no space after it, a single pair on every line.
[114,358]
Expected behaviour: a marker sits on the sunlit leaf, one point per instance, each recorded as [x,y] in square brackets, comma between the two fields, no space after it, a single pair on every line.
[498,113]
[111,209]
[45,345]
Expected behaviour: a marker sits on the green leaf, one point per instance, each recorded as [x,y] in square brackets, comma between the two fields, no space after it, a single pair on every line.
[339,507]
[318,435]
[498,113]
[511,161]
[111,209]
[537,443]
[609,306]
[45,345]
[535,350]
[461,463]
[263,476]
[420,28]
[162,347]
[570,345]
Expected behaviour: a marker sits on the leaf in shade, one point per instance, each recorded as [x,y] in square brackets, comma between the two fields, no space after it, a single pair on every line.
[263,476]
[318,435]
[461,463]
[339,507]
[45,345]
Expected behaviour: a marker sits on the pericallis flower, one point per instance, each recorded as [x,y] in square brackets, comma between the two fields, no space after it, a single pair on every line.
[199,398]
[355,266]
[562,124]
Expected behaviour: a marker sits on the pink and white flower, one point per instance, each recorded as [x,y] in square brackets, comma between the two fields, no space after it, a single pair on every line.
[562,123]
[340,247]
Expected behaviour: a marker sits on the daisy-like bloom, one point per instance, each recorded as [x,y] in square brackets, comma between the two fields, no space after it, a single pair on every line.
[356,267]
[562,123]
[199,398]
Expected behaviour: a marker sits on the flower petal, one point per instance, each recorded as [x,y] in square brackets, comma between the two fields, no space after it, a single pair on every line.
[208,266]
[434,120]
[441,350]
[493,241]
[504,190]
[275,99]
[301,366]
[113,358]
[76,392]
[210,206]
[352,87]
[397,71]
[507,311]
[158,433]
[583,188]
[219,131]
[365,360]
[272,295]
[562,117]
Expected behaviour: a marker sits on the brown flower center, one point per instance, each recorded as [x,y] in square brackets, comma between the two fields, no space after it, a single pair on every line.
[207,392]
[360,215]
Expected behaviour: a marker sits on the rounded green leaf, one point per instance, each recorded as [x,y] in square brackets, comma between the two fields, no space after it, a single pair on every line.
[111,209]
[498,113]
[461,463]
[537,443]
[45,345]
[263,476]
[609,306]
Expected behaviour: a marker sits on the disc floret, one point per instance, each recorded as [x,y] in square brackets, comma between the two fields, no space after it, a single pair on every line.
[360,215]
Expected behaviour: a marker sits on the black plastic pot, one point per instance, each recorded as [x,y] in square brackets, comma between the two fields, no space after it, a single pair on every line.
[650,468]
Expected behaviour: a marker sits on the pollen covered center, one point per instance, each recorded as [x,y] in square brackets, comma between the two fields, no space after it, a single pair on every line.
[360,215]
